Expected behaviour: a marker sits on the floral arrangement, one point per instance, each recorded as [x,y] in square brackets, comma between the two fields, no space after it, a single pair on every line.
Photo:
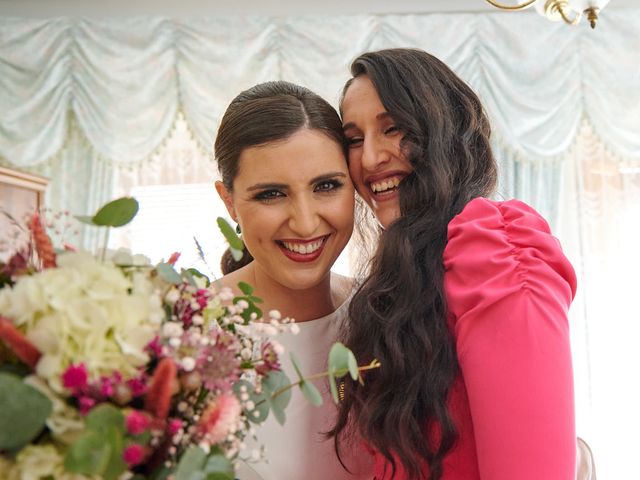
[116,369]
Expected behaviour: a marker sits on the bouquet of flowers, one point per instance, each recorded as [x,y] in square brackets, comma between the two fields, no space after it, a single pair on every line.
[113,368]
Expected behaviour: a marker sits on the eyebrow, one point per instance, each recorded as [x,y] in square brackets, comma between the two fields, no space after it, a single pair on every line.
[380,116]
[275,186]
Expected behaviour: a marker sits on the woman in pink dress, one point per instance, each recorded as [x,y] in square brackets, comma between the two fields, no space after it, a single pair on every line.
[466,299]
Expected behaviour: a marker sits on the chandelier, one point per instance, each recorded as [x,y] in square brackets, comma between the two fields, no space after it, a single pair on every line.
[569,11]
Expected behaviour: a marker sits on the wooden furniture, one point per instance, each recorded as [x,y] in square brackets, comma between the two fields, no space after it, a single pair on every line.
[20,194]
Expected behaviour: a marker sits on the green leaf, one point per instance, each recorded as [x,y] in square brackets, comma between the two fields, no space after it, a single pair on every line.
[245,288]
[296,366]
[117,212]
[342,361]
[275,381]
[186,275]
[311,393]
[104,417]
[116,464]
[88,219]
[353,365]
[191,462]
[230,235]
[236,254]
[218,467]
[198,274]
[23,412]
[168,273]
[88,455]
[259,400]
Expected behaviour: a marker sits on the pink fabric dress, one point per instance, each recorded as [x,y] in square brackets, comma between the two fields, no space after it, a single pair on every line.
[508,288]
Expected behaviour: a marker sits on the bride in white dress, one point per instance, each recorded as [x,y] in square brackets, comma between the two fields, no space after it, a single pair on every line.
[285,181]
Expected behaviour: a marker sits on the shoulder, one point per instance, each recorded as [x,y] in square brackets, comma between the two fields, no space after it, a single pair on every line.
[495,249]
[232,279]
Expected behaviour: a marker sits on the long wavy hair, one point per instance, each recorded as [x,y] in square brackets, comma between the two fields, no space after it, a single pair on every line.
[399,313]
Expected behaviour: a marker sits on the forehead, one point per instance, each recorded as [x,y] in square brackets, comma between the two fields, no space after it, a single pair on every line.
[361,99]
[304,155]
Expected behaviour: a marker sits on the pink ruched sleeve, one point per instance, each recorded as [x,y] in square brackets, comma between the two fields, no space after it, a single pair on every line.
[509,288]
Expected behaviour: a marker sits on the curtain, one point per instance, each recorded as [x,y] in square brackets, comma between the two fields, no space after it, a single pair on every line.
[105,107]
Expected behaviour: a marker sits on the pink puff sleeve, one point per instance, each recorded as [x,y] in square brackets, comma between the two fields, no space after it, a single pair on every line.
[509,288]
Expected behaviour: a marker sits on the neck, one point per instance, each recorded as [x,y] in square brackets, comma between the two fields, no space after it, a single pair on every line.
[302,305]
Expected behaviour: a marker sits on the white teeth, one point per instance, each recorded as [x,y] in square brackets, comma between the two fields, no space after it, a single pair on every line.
[385,185]
[303,248]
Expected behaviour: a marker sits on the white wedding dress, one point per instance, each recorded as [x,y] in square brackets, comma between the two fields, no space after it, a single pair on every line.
[299,450]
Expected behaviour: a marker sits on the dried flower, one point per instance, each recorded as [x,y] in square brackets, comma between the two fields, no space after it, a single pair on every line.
[43,244]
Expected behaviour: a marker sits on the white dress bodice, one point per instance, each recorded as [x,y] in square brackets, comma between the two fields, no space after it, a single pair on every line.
[298,450]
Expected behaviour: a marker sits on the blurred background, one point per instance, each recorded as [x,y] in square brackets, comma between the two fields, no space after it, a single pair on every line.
[104,99]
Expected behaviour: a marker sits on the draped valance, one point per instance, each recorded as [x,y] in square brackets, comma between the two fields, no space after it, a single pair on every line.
[125,80]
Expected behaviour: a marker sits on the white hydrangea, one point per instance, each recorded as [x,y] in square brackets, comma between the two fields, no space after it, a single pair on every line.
[35,462]
[85,311]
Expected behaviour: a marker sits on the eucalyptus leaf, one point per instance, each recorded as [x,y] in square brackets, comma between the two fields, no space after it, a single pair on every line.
[104,417]
[117,212]
[88,455]
[186,275]
[260,401]
[218,467]
[191,462]
[311,393]
[88,219]
[168,273]
[296,366]
[116,465]
[274,382]
[23,412]
[339,360]
[353,365]
[230,235]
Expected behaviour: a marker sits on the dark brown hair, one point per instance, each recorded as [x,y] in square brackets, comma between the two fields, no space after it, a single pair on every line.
[270,112]
[399,313]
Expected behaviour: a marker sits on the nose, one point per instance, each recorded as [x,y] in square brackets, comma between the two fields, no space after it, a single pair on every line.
[304,219]
[374,153]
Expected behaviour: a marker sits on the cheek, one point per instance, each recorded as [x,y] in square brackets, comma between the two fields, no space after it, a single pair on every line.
[342,212]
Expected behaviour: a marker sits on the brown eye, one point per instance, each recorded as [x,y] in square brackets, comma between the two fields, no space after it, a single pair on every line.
[327,186]
[354,142]
[268,195]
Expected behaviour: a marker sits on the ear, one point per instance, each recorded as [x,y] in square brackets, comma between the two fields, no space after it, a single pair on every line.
[227,198]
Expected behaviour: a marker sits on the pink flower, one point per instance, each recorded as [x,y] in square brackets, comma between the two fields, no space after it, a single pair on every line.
[137,422]
[106,387]
[138,385]
[174,426]
[269,359]
[134,454]
[75,377]
[86,404]
[154,347]
[219,419]
[219,364]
